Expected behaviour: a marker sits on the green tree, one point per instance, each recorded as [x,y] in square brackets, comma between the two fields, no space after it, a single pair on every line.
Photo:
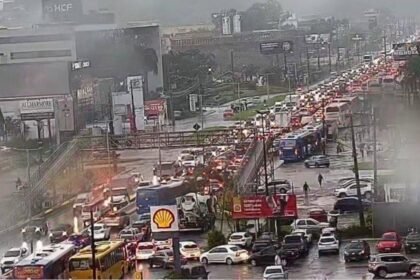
[262,16]
[413,74]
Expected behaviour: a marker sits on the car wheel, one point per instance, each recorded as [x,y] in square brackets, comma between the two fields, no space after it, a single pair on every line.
[319,253]
[381,272]
[151,264]
[327,165]
[368,195]
[306,165]
[341,195]
[2,271]
[283,191]
[411,270]
[229,261]
[316,164]
[337,252]
[204,260]
[346,260]
[253,262]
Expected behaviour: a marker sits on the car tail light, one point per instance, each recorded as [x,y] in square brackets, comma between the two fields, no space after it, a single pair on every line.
[238,254]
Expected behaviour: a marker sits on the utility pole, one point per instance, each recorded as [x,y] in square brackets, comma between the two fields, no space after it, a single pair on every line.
[267,83]
[133,110]
[329,56]
[285,66]
[263,116]
[201,106]
[28,170]
[324,131]
[92,245]
[385,48]
[356,173]
[232,67]
[308,65]
[319,58]
[375,160]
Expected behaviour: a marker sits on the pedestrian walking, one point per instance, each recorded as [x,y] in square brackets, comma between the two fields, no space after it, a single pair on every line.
[277,260]
[362,150]
[320,179]
[338,149]
[306,190]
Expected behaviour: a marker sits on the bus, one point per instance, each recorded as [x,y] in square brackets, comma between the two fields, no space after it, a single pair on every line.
[353,102]
[299,145]
[163,194]
[99,208]
[111,261]
[339,112]
[50,262]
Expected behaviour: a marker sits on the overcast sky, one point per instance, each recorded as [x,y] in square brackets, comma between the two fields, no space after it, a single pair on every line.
[198,11]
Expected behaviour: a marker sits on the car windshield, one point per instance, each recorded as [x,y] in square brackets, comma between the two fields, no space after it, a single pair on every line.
[355,245]
[236,236]
[234,249]
[169,253]
[12,253]
[97,228]
[190,246]
[389,237]
[292,239]
[273,270]
[413,236]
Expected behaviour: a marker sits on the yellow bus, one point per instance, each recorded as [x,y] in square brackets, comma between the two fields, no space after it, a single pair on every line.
[111,261]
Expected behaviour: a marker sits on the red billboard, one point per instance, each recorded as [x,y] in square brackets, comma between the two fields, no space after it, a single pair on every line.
[153,108]
[261,206]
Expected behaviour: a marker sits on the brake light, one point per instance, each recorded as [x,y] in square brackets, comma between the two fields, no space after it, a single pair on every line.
[238,254]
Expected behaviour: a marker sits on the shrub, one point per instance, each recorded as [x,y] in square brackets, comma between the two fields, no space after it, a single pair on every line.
[356,231]
[215,238]
[174,275]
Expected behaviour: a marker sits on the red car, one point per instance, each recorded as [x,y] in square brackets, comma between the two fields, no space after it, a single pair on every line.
[319,214]
[389,243]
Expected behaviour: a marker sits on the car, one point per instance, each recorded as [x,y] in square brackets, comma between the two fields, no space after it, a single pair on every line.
[116,220]
[164,259]
[295,243]
[188,161]
[144,250]
[275,272]
[390,242]
[260,244]
[80,201]
[276,186]
[229,254]
[317,161]
[383,264]
[357,250]
[11,257]
[366,190]
[189,250]
[194,271]
[309,223]
[60,233]
[318,214]
[331,231]
[328,244]
[100,232]
[79,240]
[162,242]
[412,242]
[265,256]
[131,234]
[350,204]
[305,233]
[243,239]
[35,229]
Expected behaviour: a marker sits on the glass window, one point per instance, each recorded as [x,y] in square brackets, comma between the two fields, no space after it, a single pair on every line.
[40,54]
[311,223]
[269,251]
[301,223]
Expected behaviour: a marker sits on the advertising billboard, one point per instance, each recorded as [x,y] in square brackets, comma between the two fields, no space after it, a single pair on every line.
[154,108]
[164,218]
[261,206]
[403,51]
[62,10]
[37,109]
[276,47]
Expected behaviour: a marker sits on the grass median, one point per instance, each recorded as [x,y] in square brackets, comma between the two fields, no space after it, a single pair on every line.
[247,114]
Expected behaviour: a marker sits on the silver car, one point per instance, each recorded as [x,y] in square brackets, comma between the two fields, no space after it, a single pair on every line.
[317,161]
[382,264]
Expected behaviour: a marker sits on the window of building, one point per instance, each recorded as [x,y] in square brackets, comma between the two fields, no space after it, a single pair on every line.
[40,54]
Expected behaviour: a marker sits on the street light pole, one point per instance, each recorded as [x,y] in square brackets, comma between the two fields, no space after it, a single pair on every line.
[375,159]
[263,116]
[324,132]
[133,113]
[92,245]
[356,173]
[329,57]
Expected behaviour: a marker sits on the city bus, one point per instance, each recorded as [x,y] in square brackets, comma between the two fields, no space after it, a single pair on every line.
[51,262]
[111,261]
[339,112]
[299,145]
[164,194]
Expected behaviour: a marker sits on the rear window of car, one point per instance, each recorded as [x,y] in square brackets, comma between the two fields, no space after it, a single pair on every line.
[190,246]
[234,249]
[292,239]
[356,245]
[236,236]
[326,240]
[274,270]
[389,237]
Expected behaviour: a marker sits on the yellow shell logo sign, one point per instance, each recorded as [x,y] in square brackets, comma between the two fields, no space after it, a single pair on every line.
[163,219]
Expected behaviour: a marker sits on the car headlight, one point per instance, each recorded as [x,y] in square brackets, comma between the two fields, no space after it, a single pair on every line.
[16,261]
[346,253]
[361,252]
[23,230]
[64,233]
[51,235]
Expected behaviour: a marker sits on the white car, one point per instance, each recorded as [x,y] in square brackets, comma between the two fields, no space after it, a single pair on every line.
[243,239]
[275,272]
[328,244]
[308,223]
[305,232]
[144,250]
[351,190]
[228,254]
[189,250]
[162,243]
[12,257]
[188,161]
[81,200]
[100,232]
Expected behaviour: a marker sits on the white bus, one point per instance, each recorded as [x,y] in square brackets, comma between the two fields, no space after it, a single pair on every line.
[338,112]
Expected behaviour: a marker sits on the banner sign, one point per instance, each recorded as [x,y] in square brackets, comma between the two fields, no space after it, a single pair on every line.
[62,10]
[276,47]
[154,107]
[37,109]
[403,51]
[261,206]
[164,218]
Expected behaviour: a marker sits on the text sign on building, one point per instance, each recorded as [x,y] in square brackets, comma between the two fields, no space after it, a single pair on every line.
[164,218]
[276,47]
[37,109]
[62,10]
[403,51]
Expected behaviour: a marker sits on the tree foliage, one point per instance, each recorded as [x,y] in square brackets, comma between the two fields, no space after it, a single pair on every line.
[413,66]
[215,238]
[261,16]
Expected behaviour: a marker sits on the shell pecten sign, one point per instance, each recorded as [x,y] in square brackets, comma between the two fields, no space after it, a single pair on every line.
[164,218]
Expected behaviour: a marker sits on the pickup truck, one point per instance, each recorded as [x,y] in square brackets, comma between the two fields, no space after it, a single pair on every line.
[295,244]
[116,220]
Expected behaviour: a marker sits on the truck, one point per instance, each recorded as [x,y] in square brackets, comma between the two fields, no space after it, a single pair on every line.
[116,220]
[194,212]
[282,119]
[122,190]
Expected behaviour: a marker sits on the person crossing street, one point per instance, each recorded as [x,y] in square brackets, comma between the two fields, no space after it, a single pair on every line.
[320,179]
[306,190]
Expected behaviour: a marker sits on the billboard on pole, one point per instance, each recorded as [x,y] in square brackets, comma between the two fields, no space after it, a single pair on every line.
[261,206]
[37,109]
[164,218]
[276,47]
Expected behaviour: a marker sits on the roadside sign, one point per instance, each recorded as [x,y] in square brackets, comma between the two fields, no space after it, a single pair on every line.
[196,127]
[164,218]
[276,47]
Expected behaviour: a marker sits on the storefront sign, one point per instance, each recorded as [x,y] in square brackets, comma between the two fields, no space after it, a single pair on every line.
[261,206]
[153,108]
[37,109]
[164,218]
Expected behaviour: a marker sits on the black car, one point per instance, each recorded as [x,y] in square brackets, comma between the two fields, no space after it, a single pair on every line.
[350,204]
[412,242]
[194,271]
[164,259]
[35,229]
[259,245]
[356,251]
[295,243]
[265,256]
[60,233]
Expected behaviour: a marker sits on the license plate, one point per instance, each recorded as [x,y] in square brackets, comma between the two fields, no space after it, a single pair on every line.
[387,249]
[413,247]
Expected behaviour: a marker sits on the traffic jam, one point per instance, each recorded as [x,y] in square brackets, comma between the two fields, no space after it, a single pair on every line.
[297,130]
